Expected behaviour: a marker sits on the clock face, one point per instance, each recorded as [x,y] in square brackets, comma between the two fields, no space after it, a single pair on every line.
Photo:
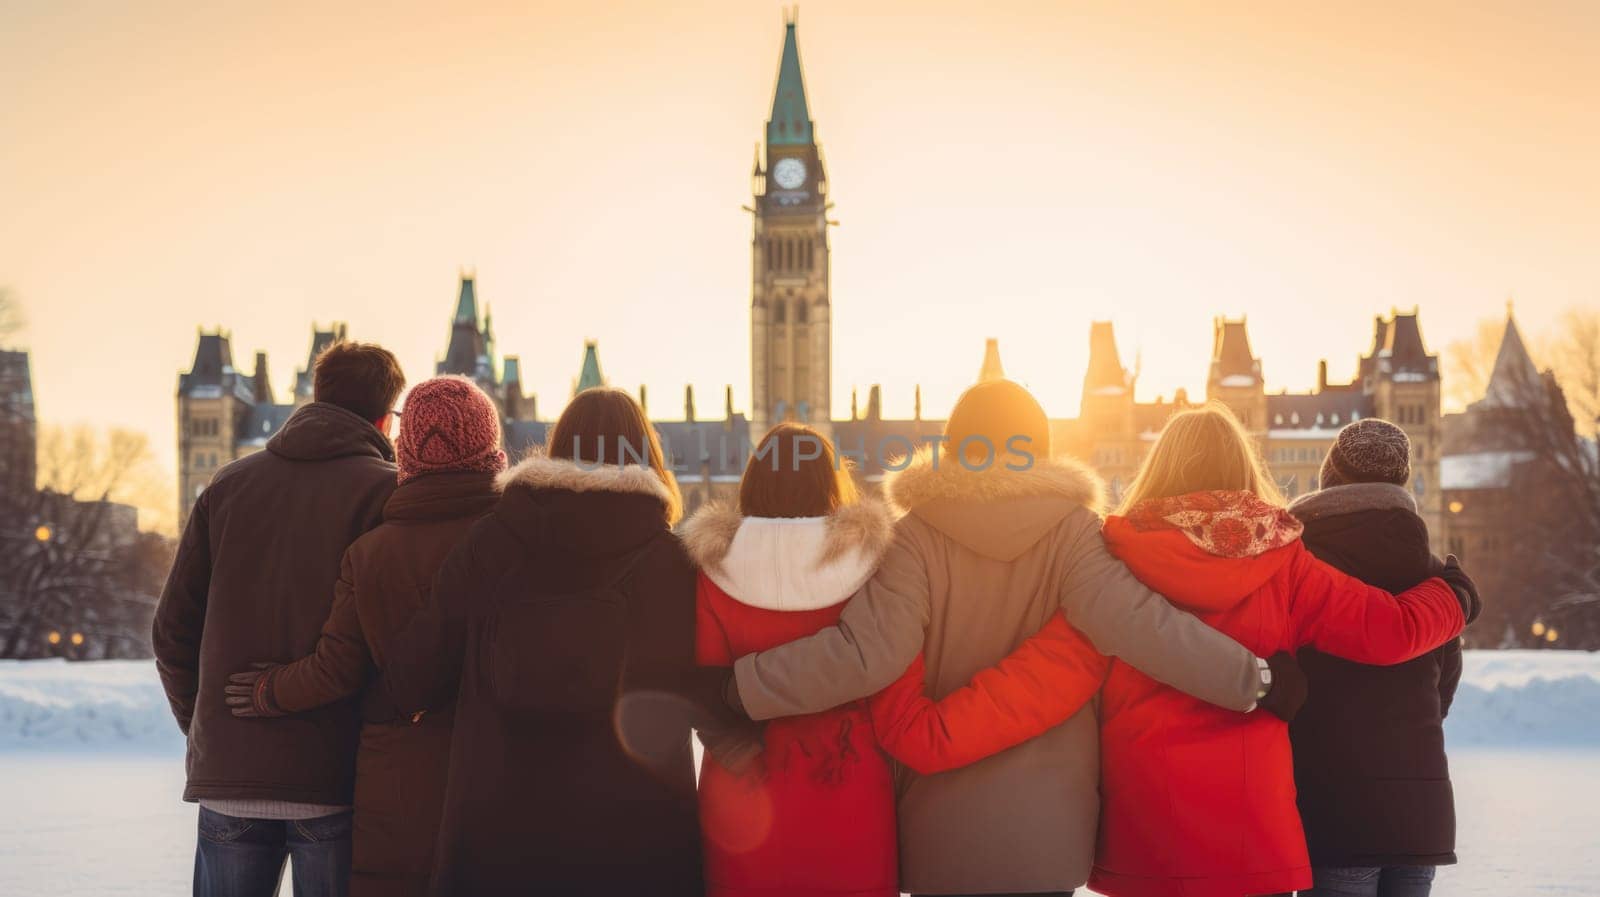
[790,173]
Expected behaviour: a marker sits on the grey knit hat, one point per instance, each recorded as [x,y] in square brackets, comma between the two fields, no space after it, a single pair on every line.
[1368,451]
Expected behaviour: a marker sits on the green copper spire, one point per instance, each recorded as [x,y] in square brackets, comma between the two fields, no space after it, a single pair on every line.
[790,124]
[467,305]
[589,376]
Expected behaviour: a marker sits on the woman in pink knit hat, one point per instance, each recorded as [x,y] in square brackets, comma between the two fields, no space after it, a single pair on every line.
[449,454]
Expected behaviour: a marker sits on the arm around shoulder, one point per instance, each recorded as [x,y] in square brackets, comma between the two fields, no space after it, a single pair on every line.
[1124,619]
[876,638]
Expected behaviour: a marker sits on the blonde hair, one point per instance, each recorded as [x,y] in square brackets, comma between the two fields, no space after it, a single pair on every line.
[1202,450]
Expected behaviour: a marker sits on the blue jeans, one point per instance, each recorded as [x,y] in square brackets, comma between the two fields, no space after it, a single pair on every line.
[1370,881]
[244,857]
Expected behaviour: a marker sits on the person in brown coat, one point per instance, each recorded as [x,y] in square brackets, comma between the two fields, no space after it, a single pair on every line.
[449,451]
[251,582]
[562,631]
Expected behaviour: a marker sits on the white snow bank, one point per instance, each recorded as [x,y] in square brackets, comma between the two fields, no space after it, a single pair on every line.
[115,705]
[1527,698]
[1506,699]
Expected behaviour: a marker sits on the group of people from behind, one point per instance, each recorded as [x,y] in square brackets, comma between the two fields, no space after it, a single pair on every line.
[456,676]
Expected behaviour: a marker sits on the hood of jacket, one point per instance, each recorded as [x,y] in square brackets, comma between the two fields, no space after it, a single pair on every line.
[594,510]
[443,496]
[790,563]
[1336,501]
[1204,550]
[322,431]
[999,511]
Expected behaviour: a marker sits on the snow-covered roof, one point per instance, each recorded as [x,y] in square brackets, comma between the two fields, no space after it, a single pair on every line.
[1479,470]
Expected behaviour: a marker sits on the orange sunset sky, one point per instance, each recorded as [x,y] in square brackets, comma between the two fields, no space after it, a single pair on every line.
[1003,169]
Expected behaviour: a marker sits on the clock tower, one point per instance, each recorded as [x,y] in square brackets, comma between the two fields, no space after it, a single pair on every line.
[790,330]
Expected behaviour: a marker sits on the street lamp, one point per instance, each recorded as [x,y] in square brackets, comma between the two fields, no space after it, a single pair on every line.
[53,638]
[1537,629]
[77,640]
[1550,635]
[43,533]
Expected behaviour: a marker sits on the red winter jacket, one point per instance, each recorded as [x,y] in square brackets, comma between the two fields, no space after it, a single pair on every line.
[819,817]
[1200,801]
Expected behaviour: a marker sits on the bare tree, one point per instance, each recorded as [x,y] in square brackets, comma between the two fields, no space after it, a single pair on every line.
[1469,362]
[75,572]
[11,319]
[1574,354]
[1555,523]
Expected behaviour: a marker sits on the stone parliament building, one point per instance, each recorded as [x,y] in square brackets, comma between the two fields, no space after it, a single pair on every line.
[225,413]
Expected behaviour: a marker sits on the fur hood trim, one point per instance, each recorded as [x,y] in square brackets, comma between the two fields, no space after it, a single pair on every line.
[790,563]
[1352,498]
[931,478]
[539,471]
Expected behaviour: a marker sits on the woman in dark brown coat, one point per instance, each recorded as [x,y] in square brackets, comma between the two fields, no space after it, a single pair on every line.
[562,630]
[449,454]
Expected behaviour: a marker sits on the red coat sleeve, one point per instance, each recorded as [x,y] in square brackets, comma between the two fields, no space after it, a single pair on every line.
[711,647]
[1343,616]
[1046,680]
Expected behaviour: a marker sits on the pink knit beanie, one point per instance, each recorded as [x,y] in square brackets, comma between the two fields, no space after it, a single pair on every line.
[448,425]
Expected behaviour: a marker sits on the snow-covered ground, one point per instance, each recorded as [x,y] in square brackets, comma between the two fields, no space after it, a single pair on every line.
[91,769]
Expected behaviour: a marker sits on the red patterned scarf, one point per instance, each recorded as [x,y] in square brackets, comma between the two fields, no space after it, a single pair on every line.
[1226,524]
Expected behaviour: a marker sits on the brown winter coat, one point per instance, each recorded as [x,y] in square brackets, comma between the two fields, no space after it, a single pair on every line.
[981,561]
[400,767]
[251,583]
[559,628]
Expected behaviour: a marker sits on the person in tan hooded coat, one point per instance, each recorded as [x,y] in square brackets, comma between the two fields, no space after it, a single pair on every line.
[997,538]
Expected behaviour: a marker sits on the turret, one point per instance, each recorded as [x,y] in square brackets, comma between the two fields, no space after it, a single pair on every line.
[991,369]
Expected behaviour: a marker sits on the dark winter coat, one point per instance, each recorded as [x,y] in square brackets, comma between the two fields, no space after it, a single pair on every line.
[566,622]
[1369,744]
[400,767]
[252,581]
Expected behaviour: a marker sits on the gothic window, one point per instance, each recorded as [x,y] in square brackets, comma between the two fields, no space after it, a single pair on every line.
[780,312]
[809,249]
[788,255]
[801,311]
[1420,486]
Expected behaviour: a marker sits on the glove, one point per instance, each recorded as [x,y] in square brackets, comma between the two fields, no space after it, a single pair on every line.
[1289,689]
[736,748]
[249,694]
[1466,590]
[715,695]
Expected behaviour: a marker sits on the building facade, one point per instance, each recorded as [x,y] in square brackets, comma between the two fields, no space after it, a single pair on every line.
[224,413]
[790,298]
[19,425]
